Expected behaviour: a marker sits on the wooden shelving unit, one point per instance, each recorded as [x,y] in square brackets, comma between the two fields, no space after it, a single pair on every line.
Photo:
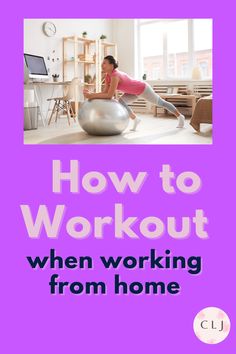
[83,56]
[82,47]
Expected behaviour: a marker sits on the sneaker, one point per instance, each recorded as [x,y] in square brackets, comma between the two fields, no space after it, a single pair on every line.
[136,123]
[181,121]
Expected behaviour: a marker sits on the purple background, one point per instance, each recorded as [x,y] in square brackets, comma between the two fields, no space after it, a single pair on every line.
[35,322]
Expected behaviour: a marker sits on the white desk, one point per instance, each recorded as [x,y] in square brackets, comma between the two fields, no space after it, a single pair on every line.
[37,86]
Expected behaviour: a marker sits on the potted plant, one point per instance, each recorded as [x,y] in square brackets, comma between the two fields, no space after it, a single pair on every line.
[88,79]
[55,77]
[144,76]
[102,37]
[84,34]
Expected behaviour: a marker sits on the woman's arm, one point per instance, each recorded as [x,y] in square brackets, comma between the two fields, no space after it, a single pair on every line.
[105,88]
[109,94]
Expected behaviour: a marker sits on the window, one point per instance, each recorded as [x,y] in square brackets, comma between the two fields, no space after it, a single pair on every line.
[177,47]
[170,49]
[203,46]
[204,68]
[184,70]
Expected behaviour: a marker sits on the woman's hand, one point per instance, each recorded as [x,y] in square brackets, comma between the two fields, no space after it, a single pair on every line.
[87,93]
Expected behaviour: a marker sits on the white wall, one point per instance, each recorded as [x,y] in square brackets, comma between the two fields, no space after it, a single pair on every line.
[35,41]
[120,31]
[124,36]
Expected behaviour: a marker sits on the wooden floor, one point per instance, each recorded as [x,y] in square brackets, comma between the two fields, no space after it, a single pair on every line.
[161,130]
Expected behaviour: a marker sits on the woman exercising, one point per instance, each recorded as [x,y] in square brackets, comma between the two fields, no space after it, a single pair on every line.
[132,89]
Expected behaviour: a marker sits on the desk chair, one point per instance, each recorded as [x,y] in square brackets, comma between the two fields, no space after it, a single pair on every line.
[64,103]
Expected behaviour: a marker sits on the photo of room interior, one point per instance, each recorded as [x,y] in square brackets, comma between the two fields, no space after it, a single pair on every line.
[64,60]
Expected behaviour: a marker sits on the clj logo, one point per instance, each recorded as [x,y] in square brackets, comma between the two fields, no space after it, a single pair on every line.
[211,325]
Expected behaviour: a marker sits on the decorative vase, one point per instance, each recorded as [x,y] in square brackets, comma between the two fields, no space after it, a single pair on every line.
[196,73]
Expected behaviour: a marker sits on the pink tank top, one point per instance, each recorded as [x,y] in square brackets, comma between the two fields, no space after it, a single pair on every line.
[126,83]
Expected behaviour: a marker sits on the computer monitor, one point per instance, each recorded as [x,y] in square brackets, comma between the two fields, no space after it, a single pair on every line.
[36,66]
